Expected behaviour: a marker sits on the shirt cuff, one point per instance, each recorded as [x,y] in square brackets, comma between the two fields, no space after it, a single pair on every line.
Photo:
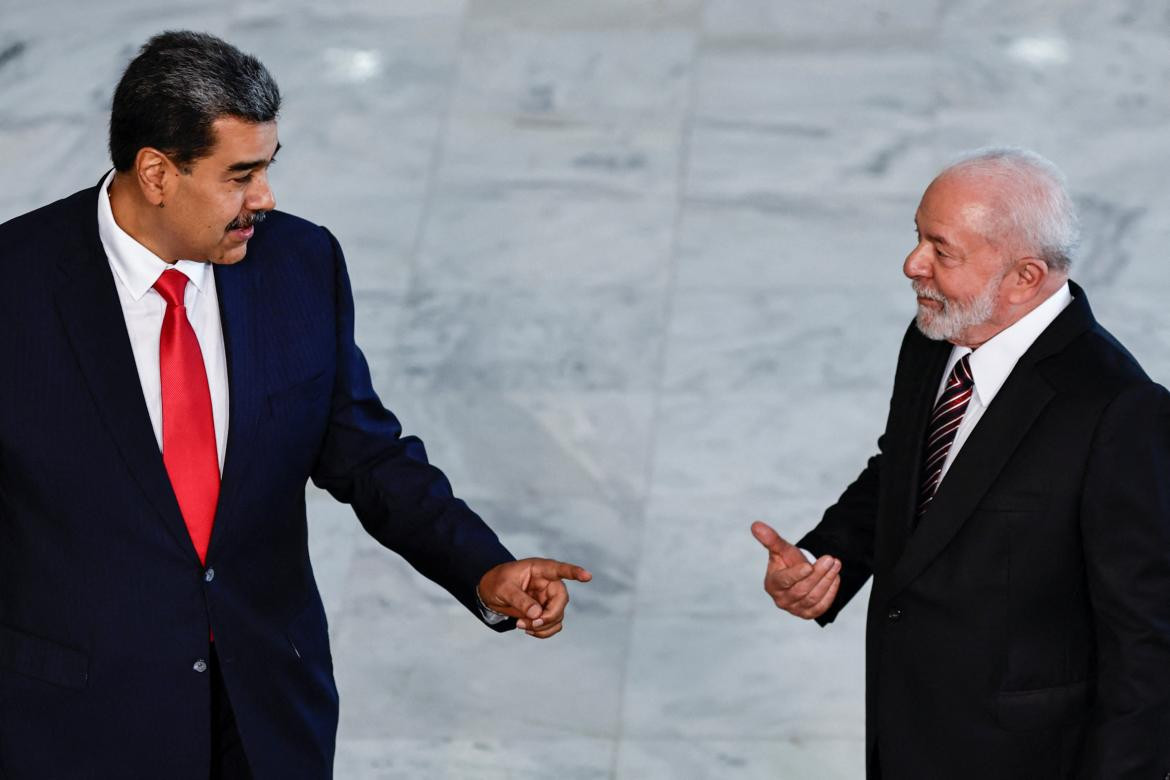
[489,615]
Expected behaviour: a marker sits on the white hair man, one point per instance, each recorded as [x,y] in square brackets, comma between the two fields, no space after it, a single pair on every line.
[1016,519]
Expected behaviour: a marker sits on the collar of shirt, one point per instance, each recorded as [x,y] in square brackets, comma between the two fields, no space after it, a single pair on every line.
[994,360]
[136,266]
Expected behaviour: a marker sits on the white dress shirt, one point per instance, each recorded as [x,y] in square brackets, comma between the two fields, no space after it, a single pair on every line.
[994,360]
[136,269]
[990,365]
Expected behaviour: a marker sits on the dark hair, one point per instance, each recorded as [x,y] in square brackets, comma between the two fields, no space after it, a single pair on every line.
[176,87]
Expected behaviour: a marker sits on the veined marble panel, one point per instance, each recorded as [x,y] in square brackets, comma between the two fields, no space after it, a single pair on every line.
[699,559]
[598,14]
[741,759]
[827,23]
[517,758]
[488,156]
[788,443]
[604,339]
[791,87]
[420,674]
[832,242]
[55,158]
[796,339]
[576,75]
[511,238]
[1066,14]
[888,155]
[528,446]
[728,677]
[1094,80]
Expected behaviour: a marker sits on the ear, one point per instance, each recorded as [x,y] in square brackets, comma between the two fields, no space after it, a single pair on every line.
[1027,279]
[155,174]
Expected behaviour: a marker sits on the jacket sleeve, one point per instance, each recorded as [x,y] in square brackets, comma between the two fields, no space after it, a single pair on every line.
[846,531]
[1125,524]
[401,499]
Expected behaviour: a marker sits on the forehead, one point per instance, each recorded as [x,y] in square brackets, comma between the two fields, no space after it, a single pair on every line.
[240,140]
[958,202]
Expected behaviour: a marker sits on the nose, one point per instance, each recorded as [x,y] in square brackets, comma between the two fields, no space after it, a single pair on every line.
[260,197]
[917,263]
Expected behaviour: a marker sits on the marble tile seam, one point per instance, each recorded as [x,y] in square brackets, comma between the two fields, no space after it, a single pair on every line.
[438,149]
[660,377]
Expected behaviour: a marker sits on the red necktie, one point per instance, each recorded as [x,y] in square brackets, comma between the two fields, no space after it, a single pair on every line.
[189,451]
[944,426]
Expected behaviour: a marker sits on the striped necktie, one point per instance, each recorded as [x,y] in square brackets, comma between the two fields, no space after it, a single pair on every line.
[944,424]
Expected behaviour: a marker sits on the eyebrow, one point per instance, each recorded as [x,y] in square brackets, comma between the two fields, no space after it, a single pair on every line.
[249,165]
[933,238]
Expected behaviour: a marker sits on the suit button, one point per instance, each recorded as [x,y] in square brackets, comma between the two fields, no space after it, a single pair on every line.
[894,615]
[200,666]
[209,575]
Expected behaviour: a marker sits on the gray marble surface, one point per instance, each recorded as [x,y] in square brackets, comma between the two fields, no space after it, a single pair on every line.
[631,268]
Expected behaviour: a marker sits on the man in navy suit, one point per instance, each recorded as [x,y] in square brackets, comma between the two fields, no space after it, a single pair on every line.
[178,361]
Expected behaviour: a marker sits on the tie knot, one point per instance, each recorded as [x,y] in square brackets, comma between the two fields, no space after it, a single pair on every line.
[961,375]
[171,285]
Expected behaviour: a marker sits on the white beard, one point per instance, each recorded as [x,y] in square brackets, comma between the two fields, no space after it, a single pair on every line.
[949,323]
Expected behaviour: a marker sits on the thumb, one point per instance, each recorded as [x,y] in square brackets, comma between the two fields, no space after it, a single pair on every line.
[519,601]
[768,537]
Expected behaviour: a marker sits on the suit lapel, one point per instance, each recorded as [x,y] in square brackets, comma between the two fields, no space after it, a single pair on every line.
[236,290]
[88,305]
[990,446]
[904,497]
[1003,425]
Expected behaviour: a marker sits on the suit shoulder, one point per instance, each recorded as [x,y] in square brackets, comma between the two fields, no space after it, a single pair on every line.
[43,225]
[1097,363]
[30,240]
[290,232]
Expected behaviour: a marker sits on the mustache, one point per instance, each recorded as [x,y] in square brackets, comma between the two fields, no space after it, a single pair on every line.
[241,223]
[923,291]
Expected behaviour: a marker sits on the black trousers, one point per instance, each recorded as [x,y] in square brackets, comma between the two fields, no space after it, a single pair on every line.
[228,761]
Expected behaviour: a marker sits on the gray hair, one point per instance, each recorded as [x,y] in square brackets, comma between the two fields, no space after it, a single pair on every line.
[1035,206]
[175,89]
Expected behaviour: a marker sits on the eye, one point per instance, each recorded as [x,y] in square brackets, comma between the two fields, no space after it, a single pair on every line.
[243,179]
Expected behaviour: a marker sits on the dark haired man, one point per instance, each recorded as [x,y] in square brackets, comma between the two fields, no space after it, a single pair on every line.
[165,405]
[1016,520]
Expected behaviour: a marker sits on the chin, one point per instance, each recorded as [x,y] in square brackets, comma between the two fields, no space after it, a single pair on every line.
[231,257]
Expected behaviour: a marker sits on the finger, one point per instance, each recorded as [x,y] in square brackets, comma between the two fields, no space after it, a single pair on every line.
[827,601]
[559,570]
[520,602]
[820,570]
[768,537]
[784,578]
[546,632]
[818,591]
[554,599]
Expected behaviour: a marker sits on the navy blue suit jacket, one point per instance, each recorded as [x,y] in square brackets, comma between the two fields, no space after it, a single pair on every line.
[104,606]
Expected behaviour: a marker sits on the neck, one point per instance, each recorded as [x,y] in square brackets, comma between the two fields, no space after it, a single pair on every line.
[979,335]
[137,217]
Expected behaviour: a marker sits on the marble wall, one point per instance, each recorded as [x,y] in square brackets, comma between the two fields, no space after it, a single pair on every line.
[631,268]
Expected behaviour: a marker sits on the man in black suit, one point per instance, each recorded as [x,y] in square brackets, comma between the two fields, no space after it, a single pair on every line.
[1016,519]
[175,367]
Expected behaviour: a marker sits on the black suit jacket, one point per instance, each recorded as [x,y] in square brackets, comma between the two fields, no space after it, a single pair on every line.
[104,605]
[1022,630]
